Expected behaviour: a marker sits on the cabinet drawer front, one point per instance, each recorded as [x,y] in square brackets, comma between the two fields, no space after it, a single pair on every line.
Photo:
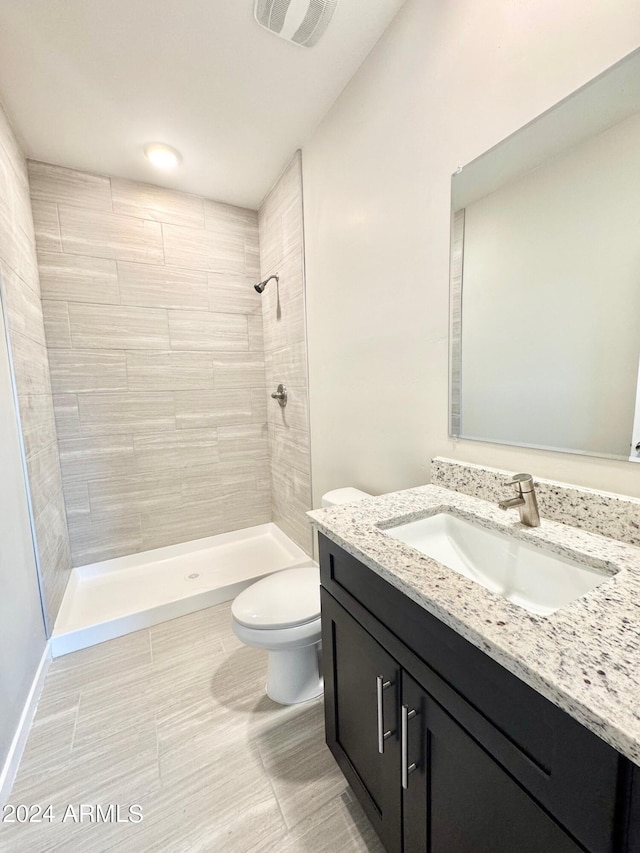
[570,772]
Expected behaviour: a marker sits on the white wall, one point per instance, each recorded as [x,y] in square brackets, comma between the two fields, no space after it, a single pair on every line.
[447,81]
[551,302]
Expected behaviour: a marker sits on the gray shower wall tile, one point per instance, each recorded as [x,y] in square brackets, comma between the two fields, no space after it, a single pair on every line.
[59,185]
[252,251]
[290,329]
[22,305]
[76,499]
[234,294]
[51,538]
[229,220]
[180,449]
[148,492]
[109,235]
[74,278]
[289,448]
[169,371]
[192,519]
[270,233]
[252,262]
[208,331]
[53,546]
[38,422]
[292,235]
[16,228]
[57,328]
[238,370]
[23,219]
[237,495]
[46,226]
[233,473]
[30,365]
[203,409]
[26,264]
[255,330]
[15,199]
[242,509]
[106,414]
[259,405]
[231,495]
[157,203]
[228,477]
[83,459]
[243,442]
[12,157]
[67,415]
[44,471]
[290,497]
[158,286]
[289,365]
[118,328]
[80,370]
[7,228]
[113,536]
[202,249]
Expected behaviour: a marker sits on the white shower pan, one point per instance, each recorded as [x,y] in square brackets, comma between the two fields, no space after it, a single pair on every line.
[115,597]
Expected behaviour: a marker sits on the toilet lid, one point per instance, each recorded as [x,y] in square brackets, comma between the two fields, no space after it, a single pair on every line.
[281,600]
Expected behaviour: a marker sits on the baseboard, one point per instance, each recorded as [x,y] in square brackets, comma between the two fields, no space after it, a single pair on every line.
[10,769]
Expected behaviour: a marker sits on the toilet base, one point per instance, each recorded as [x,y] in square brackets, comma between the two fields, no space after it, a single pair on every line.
[293,675]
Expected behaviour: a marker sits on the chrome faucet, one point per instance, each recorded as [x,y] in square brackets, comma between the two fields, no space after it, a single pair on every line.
[525,500]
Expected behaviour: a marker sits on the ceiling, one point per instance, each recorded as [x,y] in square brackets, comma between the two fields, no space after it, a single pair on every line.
[87,83]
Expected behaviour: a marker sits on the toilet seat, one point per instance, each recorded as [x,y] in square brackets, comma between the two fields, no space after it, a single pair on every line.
[284,600]
[276,639]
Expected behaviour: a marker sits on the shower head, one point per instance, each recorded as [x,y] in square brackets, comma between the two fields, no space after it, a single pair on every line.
[260,286]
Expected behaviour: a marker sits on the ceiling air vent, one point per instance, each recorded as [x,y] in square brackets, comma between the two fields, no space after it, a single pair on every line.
[300,21]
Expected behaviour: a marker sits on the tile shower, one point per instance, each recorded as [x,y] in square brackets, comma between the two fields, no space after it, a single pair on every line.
[162,357]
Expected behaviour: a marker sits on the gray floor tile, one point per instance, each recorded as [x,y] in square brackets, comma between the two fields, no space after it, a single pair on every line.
[175,718]
[303,772]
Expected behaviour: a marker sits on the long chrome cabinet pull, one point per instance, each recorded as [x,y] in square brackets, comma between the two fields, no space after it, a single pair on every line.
[381,686]
[407,768]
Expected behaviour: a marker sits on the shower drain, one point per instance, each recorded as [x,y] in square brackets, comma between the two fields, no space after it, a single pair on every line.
[193,576]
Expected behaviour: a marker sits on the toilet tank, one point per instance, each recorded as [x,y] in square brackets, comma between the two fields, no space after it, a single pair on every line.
[343,496]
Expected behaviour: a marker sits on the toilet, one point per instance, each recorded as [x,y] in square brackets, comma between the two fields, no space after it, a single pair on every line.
[281,613]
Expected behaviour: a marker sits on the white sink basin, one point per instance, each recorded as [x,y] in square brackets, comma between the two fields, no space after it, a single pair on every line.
[529,576]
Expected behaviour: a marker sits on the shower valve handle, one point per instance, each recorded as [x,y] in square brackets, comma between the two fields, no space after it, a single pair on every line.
[280,395]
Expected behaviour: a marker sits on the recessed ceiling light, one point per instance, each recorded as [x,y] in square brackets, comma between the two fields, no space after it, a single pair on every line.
[162,156]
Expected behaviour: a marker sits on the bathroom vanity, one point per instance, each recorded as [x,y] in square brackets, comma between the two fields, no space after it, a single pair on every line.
[461,721]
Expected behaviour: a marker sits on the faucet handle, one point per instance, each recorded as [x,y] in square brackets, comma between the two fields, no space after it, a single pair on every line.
[521,480]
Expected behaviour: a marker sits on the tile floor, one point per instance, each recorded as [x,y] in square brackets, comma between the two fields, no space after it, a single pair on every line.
[175,719]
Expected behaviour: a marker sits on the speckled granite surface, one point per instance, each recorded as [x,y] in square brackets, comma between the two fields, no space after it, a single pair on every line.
[585,657]
[616,516]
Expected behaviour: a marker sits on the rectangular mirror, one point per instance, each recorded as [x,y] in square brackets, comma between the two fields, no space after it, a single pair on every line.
[545,278]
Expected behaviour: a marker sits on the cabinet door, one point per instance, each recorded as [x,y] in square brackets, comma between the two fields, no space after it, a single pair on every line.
[458,799]
[357,714]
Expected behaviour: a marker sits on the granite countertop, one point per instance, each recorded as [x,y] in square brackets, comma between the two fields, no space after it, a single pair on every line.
[585,657]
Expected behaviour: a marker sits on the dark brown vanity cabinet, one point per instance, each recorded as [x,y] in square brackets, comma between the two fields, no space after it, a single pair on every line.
[447,751]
